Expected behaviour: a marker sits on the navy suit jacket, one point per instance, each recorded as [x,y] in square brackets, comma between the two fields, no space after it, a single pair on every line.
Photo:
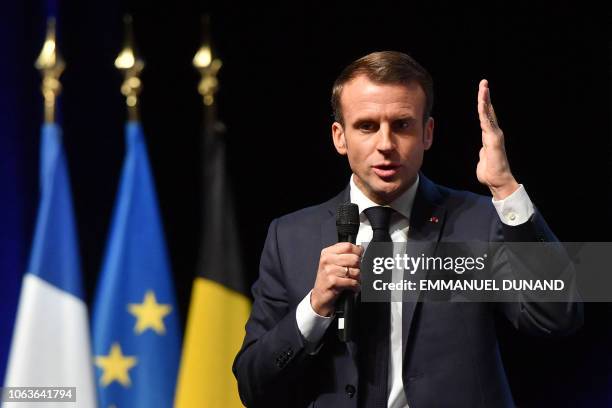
[451,351]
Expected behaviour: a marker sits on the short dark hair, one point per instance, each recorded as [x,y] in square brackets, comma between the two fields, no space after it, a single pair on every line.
[384,67]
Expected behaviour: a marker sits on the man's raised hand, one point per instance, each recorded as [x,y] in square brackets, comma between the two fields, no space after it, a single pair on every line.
[493,169]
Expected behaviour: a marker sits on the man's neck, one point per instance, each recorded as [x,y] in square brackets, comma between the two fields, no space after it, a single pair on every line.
[402,202]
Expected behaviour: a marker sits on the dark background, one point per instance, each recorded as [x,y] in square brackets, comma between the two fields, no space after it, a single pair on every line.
[549,73]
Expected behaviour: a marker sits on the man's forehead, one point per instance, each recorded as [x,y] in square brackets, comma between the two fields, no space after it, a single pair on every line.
[362,95]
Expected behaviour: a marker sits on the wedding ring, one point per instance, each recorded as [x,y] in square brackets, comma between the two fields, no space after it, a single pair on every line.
[347,272]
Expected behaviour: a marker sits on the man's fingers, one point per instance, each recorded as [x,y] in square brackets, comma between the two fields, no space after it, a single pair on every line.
[491,133]
[343,248]
[345,283]
[481,105]
[338,271]
[355,273]
[347,272]
[351,260]
[482,86]
[491,116]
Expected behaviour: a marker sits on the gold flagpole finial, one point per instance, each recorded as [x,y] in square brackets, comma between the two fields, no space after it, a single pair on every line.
[131,65]
[51,65]
[205,62]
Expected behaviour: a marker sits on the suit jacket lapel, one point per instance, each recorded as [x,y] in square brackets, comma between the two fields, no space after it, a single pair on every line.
[426,223]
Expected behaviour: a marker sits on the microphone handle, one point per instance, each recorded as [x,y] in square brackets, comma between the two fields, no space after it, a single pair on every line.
[345,305]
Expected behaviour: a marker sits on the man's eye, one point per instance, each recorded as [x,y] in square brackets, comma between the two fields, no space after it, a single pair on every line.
[403,125]
[367,127]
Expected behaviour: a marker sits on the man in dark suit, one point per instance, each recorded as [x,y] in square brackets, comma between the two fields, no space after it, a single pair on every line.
[416,354]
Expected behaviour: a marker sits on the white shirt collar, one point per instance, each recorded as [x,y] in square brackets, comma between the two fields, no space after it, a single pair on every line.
[402,204]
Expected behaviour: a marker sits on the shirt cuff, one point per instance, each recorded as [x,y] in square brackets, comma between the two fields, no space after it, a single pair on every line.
[311,325]
[516,209]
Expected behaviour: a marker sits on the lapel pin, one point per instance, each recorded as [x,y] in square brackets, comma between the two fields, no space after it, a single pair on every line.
[434,219]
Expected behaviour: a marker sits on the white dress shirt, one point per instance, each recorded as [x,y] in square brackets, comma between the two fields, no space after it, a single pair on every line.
[513,210]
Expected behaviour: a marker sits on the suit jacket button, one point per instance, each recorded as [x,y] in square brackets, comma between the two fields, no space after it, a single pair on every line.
[350,390]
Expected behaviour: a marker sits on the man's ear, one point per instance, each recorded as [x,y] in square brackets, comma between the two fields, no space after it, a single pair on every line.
[428,133]
[339,138]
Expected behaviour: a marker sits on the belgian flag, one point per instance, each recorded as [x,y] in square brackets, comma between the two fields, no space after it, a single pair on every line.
[219,305]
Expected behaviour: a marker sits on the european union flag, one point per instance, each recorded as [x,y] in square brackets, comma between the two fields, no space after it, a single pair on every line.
[135,319]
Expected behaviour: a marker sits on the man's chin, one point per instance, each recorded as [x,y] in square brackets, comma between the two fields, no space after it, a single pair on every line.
[387,192]
[382,191]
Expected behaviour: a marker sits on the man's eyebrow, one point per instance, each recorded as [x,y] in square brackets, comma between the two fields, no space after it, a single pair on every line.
[405,117]
[364,119]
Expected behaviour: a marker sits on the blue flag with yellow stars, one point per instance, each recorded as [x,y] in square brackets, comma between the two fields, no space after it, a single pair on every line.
[135,319]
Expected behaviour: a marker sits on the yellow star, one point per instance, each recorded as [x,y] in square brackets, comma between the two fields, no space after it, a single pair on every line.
[149,314]
[115,366]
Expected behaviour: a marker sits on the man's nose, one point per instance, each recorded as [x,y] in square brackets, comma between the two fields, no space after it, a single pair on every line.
[385,138]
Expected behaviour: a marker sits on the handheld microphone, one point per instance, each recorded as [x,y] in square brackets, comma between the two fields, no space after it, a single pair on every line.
[347,225]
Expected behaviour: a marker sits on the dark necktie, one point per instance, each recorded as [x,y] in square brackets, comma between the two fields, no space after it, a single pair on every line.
[374,328]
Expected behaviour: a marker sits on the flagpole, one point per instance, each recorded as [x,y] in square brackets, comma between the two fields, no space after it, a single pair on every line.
[219,288]
[51,344]
[135,317]
[131,65]
[208,66]
[51,65]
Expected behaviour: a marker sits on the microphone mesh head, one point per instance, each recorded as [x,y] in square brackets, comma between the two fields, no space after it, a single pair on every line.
[347,219]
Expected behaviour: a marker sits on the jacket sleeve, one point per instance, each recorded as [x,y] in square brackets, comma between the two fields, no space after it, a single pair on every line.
[548,260]
[273,352]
